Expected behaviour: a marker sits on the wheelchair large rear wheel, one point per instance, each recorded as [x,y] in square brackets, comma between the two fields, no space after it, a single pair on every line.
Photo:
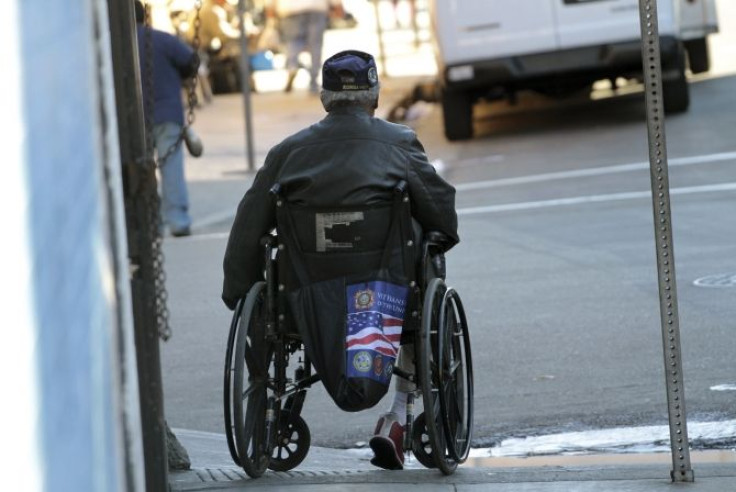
[455,376]
[445,376]
[248,386]
[227,386]
[429,377]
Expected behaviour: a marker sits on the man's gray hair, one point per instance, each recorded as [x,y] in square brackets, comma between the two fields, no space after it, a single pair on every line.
[367,99]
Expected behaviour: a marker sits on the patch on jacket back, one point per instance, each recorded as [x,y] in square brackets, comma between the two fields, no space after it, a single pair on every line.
[337,231]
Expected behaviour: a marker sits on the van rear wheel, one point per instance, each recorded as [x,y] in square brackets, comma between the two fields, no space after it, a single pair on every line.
[457,114]
[697,54]
[676,97]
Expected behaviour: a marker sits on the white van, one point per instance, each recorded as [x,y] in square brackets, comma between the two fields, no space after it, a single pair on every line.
[492,48]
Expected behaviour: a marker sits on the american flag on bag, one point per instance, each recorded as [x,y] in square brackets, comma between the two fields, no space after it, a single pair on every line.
[374,331]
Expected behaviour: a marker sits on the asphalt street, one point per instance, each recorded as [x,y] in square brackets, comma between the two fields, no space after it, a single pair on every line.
[562,294]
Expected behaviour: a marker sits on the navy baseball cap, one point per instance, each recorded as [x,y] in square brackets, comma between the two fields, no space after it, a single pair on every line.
[350,70]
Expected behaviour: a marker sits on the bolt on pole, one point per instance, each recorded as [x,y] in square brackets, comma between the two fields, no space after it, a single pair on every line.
[681,469]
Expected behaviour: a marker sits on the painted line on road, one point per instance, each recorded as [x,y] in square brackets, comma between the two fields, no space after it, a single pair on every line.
[509,207]
[199,434]
[721,280]
[227,215]
[598,171]
[723,387]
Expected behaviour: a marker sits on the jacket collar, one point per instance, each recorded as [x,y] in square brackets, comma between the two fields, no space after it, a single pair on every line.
[348,110]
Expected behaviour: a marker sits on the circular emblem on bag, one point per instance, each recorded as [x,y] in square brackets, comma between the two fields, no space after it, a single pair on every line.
[364,299]
[377,365]
[362,361]
[389,369]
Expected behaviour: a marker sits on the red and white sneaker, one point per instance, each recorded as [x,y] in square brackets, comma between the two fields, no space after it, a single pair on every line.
[387,443]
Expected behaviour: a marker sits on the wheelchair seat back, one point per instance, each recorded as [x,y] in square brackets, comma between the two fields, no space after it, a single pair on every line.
[346,280]
[337,242]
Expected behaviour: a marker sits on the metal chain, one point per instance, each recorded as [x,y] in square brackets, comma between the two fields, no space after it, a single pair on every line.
[681,471]
[153,200]
[192,86]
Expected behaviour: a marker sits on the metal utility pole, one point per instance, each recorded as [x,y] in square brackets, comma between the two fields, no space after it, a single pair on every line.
[140,192]
[245,78]
[379,32]
[681,469]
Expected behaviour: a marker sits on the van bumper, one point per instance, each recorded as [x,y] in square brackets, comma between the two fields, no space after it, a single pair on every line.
[577,65]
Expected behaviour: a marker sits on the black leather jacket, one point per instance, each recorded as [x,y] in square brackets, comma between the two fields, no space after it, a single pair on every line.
[348,158]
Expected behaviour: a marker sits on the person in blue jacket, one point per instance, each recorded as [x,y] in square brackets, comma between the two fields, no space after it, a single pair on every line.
[172,61]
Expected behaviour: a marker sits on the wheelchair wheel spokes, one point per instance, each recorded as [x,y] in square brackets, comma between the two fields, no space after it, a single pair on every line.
[251,363]
[251,440]
[430,378]
[456,377]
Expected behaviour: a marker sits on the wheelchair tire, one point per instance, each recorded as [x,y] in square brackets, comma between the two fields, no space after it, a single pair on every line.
[455,376]
[429,373]
[251,364]
[227,388]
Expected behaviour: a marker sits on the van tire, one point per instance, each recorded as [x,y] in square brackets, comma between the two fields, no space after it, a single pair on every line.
[676,97]
[698,56]
[457,115]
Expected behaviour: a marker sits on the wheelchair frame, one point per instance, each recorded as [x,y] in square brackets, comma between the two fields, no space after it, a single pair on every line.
[263,399]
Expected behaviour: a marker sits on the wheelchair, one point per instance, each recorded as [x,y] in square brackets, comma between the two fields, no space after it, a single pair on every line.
[267,372]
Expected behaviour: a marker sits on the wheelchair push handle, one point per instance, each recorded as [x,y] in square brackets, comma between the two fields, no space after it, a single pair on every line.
[436,238]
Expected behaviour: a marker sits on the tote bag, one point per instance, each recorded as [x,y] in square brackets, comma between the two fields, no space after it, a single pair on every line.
[351,325]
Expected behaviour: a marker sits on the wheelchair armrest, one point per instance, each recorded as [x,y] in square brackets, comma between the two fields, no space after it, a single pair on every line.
[436,238]
[434,251]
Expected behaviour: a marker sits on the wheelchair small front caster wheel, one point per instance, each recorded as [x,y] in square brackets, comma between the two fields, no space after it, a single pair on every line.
[420,443]
[292,444]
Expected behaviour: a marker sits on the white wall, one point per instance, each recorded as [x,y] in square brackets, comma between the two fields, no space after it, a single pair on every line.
[68,332]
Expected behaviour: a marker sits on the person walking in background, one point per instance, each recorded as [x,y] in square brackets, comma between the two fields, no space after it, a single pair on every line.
[219,41]
[214,24]
[303,24]
[172,60]
[397,12]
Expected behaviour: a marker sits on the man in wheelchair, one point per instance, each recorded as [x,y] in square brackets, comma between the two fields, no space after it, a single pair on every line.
[344,170]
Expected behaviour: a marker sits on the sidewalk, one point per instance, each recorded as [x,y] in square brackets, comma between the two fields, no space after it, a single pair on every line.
[340,470]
